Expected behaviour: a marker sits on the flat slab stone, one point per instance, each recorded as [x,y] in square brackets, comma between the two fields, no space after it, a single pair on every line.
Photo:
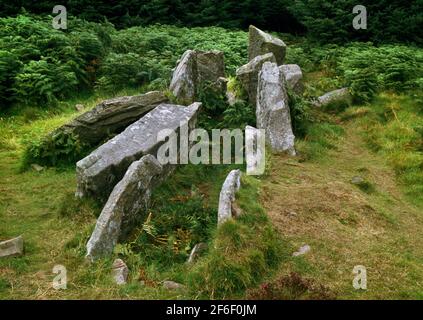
[272,112]
[99,172]
[12,247]
[261,43]
[293,76]
[126,206]
[342,94]
[227,195]
[111,116]
[248,75]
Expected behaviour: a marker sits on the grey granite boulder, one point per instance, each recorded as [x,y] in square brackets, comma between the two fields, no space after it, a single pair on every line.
[227,195]
[111,116]
[247,75]
[195,69]
[127,205]
[293,76]
[261,43]
[12,247]
[183,83]
[99,172]
[340,95]
[272,112]
[120,272]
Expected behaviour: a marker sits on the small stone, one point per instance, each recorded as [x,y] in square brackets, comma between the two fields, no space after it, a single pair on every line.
[236,210]
[172,285]
[12,247]
[79,107]
[303,250]
[198,249]
[292,214]
[120,272]
[227,195]
[335,96]
[37,167]
[357,180]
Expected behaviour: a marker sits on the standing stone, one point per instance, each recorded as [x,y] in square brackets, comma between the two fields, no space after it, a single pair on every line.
[248,75]
[99,172]
[195,69]
[12,247]
[227,195]
[261,43]
[198,249]
[110,117]
[183,83]
[293,76]
[120,272]
[335,96]
[272,111]
[126,206]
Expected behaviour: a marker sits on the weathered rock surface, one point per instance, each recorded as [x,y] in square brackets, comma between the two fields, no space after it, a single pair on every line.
[111,116]
[272,112]
[227,195]
[333,97]
[198,249]
[248,75]
[99,172]
[293,76]
[183,83]
[127,205]
[11,248]
[172,285]
[195,69]
[261,43]
[120,272]
[302,250]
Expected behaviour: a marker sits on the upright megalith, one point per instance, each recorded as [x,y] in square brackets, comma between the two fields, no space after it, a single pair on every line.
[196,69]
[261,43]
[227,196]
[293,76]
[272,112]
[248,75]
[99,172]
[110,117]
[126,207]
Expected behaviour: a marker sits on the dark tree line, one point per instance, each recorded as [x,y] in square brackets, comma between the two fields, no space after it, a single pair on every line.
[327,21]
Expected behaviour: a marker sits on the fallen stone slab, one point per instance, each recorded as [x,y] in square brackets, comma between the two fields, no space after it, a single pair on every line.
[98,173]
[247,75]
[120,272]
[11,248]
[339,95]
[261,43]
[110,117]
[272,112]
[195,69]
[293,76]
[227,196]
[126,207]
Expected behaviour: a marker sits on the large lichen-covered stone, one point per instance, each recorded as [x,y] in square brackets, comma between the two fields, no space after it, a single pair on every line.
[111,116]
[273,114]
[99,172]
[11,248]
[195,69]
[126,206]
[183,83]
[248,75]
[293,76]
[227,195]
[261,43]
[336,96]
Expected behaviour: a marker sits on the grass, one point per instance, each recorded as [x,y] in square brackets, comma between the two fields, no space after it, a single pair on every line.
[376,225]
